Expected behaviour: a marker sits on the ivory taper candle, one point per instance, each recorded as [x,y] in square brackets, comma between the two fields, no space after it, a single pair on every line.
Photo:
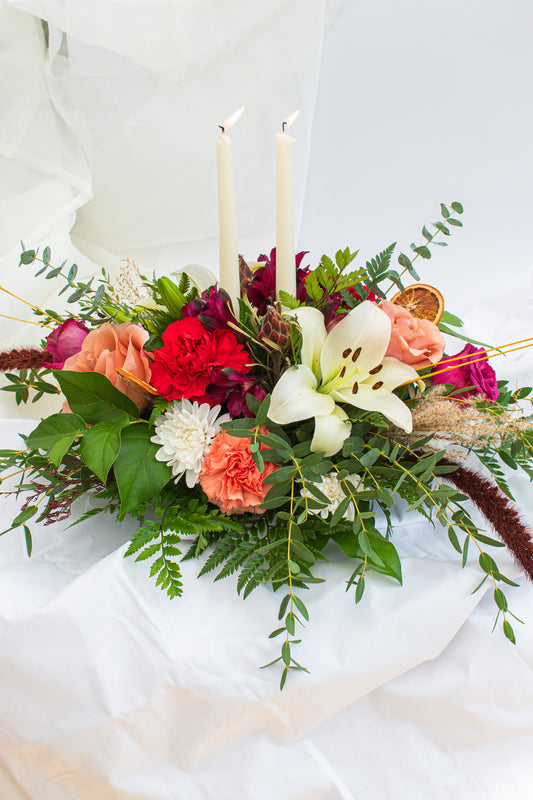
[285,254]
[227,224]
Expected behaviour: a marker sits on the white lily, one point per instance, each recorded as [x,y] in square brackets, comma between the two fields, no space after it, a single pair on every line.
[346,365]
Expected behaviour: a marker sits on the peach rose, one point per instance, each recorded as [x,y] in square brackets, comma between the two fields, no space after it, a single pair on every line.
[414,341]
[230,478]
[115,346]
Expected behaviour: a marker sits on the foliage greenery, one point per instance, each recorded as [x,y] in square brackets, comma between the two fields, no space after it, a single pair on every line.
[104,447]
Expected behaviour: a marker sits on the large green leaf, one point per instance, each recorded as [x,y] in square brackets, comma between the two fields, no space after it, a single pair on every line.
[348,543]
[388,555]
[55,435]
[101,445]
[139,476]
[94,397]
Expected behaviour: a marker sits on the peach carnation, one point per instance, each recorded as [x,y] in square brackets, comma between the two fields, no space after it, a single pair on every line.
[413,341]
[230,478]
[111,347]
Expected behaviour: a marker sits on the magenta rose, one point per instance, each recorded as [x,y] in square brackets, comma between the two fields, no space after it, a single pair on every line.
[461,374]
[65,341]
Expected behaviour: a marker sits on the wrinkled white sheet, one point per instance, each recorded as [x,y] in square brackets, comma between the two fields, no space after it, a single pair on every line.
[110,689]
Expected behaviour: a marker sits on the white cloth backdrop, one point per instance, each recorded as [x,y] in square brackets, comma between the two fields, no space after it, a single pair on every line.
[110,690]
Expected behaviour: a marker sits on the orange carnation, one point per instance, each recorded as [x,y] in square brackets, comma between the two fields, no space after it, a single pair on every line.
[230,478]
[110,347]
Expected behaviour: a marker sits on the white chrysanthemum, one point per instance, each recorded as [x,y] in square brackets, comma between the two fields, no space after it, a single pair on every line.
[185,432]
[331,486]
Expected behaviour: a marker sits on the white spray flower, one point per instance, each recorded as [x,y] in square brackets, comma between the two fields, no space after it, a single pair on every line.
[331,486]
[185,432]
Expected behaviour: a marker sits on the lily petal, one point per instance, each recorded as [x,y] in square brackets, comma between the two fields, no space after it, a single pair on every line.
[331,431]
[367,327]
[294,397]
[393,373]
[383,401]
[311,321]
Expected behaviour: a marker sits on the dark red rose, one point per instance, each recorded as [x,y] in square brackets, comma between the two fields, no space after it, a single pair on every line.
[190,353]
[462,372]
[65,341]
[262,288]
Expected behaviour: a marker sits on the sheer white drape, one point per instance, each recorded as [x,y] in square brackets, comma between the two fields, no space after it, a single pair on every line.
[107,137]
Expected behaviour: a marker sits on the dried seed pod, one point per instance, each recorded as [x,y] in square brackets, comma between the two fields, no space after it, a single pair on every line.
[245,276]
[276,329]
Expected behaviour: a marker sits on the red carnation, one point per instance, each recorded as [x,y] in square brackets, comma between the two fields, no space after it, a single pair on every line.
[183,366]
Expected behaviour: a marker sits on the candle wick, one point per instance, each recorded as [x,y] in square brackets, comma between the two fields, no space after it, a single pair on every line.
[283,126]
[222,128]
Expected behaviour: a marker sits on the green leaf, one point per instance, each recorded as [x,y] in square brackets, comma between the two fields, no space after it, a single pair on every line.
[506,458]
[24,516]
[94,397]
[27,537]
[444,329]
[487,563]
[370,457]
[98,295]
[28,257]
[56,434]
[388,554]
[73,271]
[405,262]
[301,607]
[359,591]
[452,536]
[101,445]
[508,631]
[487,539]
[302,551]
[171,295]
[286,653]
[138,474]
[444,211]
[422,251]
[451,319]
[46,255]
[283,605]
[347,542]
[283,676]
[290,623]
[500,599]
[457,207]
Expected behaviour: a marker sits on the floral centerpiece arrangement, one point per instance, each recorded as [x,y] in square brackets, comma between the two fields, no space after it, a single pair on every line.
[261,435]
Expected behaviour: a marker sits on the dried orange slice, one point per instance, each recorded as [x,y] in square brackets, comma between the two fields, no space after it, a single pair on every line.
[136,383]
[423,301]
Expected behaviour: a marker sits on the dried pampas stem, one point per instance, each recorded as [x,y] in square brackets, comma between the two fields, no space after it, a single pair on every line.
[498,510]
[23,358]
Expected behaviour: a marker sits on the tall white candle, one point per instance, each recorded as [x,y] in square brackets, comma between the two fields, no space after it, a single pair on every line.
[285,254]
[227,224]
